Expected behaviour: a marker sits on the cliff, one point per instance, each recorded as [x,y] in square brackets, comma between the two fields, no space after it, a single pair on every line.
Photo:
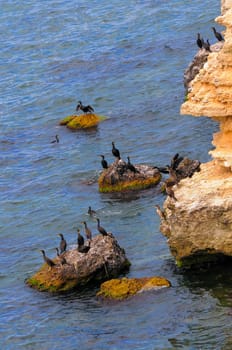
[198,224]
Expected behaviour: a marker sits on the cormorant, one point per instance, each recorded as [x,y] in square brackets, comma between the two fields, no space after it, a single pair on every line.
[101,229]
[104,162]
[170,191]
[160,212]
[61,257]
[199,41]
[80,239]
[48,261]
[91,212]
[87,231]
[85,109]
[131,166]
[173,175]
[56,139]
[83,248]
[207,45]
[115,151]
[218,35]
[63,243]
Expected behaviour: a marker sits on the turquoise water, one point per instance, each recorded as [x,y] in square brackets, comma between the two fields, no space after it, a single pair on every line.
[127,60]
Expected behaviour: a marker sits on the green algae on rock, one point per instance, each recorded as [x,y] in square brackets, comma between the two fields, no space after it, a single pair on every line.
[118,177]
[119,289]
[82,121]
[105,260]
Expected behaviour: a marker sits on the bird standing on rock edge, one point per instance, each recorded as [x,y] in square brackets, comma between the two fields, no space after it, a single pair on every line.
[63,243]
[80,238]
[131,167]
[48,261]
[104,162]
[87,231]
[101,229]
[218,35]
[85,109]
[115,151]
[199,41]
[60,257]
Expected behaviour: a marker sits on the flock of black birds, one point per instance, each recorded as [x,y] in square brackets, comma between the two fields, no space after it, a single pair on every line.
[81,246]
[202,44]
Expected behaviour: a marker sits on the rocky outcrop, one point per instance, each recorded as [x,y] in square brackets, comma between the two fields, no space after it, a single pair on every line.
[118,177]
[83,121]
[104,260]
[198,224]
[119,289]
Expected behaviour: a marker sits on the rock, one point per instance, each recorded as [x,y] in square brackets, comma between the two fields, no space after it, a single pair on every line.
[104,260]
[119,178]
[83,121]
[119,289]
[198,225]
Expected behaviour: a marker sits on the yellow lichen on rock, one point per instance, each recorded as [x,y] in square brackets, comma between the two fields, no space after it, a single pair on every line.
[123,288]
[83,121]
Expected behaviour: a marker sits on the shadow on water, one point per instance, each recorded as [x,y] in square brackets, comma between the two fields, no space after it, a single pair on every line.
[215,278]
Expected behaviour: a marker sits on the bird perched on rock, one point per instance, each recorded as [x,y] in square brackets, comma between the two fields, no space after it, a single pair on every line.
[206,45]
[169,191]
[199,41]
[218,35]
[48,261]
[115,151]
[160,212]
[83,248]
[60,257]
[63,243]
[56,139]
[85,109]
[104,162]
[175,161]
[87,231]
[101,229]
[91,212]
[173,176]
[80,238]
[131,166]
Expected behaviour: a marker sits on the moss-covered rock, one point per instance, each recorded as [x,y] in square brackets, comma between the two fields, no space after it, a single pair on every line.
[104,260]
[119,289]
[118,177]
[83,121]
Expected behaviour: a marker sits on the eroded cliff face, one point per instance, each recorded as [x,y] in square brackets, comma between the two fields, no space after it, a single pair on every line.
[198,225]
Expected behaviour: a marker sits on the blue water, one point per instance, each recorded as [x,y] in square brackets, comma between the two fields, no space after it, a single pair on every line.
[127,60]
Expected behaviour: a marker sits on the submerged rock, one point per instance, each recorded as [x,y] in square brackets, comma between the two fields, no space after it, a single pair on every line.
[119,178]
[104,260]
[83,121]
[120,289]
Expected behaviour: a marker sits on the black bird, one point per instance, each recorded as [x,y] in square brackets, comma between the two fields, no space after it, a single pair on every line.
[173,175]
[91,212]
[85,109]
[56,139]
[218,35]
[104,162]
[199,41]
[83,248]
[63,243]
[131,166]
[170,191]
[87,231]
[48,261]
[101,229]
[80,239]
[115,151]
[175,161]
[61,257]
[160,212]
[207,45]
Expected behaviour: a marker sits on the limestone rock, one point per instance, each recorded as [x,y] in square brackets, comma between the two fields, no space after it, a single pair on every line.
[104,260]
[119,178]
[198,225]
[119,289]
